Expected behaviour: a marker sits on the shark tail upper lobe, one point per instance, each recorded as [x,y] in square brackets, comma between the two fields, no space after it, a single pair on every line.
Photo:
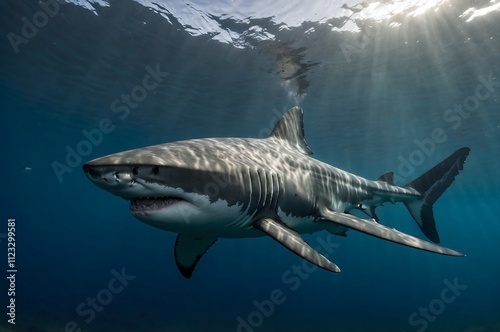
[431,185]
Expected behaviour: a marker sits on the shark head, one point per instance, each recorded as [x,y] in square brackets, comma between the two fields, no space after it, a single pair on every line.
[177,186]
[210,185]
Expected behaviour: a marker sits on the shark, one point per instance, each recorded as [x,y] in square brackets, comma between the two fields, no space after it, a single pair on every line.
[211,188]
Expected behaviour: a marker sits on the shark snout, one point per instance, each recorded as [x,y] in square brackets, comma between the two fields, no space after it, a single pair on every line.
[108,175]
[125,180]
[91,172]
[117,179]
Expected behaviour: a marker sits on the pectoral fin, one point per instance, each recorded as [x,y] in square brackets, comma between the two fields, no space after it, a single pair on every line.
[373,228]
[189,250]
[292,241]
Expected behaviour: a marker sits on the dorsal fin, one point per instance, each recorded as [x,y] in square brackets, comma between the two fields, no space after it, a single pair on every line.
[290,129]
[387,177]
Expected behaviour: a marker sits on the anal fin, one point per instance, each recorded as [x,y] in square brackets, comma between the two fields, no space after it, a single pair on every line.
[291,240]
[369,211]
[189,250]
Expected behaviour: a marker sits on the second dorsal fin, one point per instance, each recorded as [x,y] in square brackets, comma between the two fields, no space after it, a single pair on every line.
[387,177]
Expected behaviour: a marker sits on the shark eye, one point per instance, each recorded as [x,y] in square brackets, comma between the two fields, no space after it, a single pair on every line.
[135,170]
[155,170]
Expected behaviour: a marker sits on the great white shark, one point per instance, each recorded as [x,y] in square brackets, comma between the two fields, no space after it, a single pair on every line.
[205,189]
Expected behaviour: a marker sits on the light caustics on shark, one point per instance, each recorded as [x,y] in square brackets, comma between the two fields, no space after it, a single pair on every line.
[205,189]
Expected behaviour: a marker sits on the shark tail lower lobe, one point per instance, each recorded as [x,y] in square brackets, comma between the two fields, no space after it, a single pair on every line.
[431,185]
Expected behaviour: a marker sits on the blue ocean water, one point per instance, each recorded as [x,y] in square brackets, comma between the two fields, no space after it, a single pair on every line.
[385,86]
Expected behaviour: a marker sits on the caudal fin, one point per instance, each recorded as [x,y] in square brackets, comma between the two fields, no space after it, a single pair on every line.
[431,185]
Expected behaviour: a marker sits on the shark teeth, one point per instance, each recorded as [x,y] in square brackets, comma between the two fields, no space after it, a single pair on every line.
[144,204]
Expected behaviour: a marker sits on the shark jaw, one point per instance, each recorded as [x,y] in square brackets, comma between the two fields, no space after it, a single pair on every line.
[144,205]
[205,189]
[169,213]
[162,212]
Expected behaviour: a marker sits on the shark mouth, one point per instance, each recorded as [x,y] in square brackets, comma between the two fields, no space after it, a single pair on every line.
[149,204]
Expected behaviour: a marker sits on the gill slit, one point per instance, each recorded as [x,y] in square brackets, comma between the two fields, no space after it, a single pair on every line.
[271,189]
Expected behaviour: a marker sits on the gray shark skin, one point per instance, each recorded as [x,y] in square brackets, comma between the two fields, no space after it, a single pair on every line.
[205,189]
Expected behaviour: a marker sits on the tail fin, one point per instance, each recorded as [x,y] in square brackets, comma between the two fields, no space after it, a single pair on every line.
[431,186]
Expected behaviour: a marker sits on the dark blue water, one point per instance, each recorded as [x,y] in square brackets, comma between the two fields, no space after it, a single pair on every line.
[385,87]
